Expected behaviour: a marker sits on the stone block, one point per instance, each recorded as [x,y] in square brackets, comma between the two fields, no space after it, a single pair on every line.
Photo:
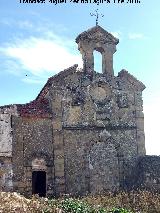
[99,93]
[50,193]
[60,188]
[57,104]
[58,138]
[74,115]
[59,168]
[58,146]
[141,143]
[18,157]
[19,145]
[139,114]
[60,180]
[21,184]
[28,174]
[122,100]
[88,113]
[60,173]
[140,124]
[57,123]
[59,165]
[49,170]
[58,154]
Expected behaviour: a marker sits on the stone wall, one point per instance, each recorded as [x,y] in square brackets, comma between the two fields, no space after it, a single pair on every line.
[32,139]
[91,164]
[96,125]
[6,114]
[148,173]
[6,172]
[5,135]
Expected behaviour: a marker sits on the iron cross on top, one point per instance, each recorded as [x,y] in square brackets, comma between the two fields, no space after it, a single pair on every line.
[97,16]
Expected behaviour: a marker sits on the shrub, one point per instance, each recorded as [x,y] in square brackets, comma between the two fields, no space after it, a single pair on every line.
[131,202]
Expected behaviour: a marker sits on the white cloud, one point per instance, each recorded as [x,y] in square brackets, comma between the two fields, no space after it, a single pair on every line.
[41,55]
[116,34]
[38,25]
[135,35]
[12,67]
[5,21]
[22,24]
[25,24]
[31,80]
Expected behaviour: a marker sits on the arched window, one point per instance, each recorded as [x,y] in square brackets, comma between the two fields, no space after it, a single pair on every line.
[97,61]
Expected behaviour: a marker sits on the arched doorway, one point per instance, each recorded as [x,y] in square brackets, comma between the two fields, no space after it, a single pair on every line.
[39,183]
[39,177]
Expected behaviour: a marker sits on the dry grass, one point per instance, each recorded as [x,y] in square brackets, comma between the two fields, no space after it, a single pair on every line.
[14,202]
[141,201]
[137,202]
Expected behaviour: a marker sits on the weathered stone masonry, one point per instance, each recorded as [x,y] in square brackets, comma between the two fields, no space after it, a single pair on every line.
[84,133]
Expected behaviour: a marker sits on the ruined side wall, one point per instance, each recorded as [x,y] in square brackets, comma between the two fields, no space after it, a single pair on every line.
[6,174]
[5,135]
[148,173]
[6,171]
[32,139]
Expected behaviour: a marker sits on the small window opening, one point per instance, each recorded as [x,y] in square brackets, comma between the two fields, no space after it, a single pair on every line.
[97,61]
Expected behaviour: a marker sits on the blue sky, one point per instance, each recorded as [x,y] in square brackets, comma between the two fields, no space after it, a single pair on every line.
[38,40]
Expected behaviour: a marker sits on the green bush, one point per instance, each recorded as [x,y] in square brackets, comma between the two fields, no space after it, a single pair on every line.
[120,210]
[78,206]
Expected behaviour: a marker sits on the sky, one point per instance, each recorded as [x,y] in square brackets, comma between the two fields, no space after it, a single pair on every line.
[37,40]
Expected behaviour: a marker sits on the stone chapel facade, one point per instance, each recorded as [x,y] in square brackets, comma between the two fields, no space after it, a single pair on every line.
[84,133]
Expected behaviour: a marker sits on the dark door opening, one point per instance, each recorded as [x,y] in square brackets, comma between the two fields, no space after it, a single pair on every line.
[39,183]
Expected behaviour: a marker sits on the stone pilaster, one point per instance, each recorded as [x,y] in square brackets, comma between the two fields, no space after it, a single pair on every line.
[58,144]
[140,133]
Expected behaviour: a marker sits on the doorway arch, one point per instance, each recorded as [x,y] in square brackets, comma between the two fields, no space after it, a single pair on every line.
[39,177]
